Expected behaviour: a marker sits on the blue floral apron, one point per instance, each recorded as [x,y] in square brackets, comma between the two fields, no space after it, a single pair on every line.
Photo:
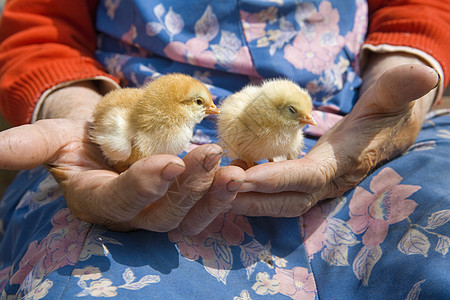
[385,239]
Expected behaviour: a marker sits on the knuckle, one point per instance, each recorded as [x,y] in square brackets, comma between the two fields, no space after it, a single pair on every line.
[179,204]
[293,205]
[287,207]
[286,182]
[142,191]
[324,174]
[369,161]
[318,176]
[338,187]
[195,188]
[255,208]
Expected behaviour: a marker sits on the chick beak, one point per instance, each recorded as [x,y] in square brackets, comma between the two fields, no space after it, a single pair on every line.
[212,110]
[308,119]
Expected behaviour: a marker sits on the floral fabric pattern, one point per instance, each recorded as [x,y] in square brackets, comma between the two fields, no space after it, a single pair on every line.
[372,214]
[231,44]
[396,222]
[389,237]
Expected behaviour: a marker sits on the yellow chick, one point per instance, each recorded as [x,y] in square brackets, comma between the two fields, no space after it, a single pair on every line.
[264,122]
[159,118]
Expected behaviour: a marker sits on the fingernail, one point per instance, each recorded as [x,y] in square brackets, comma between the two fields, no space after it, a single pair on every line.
[247,187]
[171,170]
[211,161]
[234,185]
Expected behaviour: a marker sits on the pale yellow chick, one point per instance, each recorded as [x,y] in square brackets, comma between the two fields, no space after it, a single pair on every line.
[265,122]
[159,118]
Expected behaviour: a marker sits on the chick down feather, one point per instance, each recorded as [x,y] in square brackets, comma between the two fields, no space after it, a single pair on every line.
[133,123]
[265,121]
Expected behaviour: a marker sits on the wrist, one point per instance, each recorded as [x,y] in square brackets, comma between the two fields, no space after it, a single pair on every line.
[75,101]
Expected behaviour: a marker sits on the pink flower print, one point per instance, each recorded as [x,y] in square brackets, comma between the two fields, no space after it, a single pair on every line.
[254,27]
[243,63]
[297,283]
[316,48]
[333,42]
[232,56]
[193,52]
[313,87]
[313,230]
[311,56]
[214,244]
[130,35]
[63,219]
[27,263]
[61,247]
[326,19]
[227,228]
[330,108]
[4,277]
[373,212]
[187,246]
[355,38]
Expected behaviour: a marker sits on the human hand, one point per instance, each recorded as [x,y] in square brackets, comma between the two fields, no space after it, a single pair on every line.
[158,193]
[384,123]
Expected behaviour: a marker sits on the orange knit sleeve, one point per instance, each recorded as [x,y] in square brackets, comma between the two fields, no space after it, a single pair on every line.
[43,43]
[420,24]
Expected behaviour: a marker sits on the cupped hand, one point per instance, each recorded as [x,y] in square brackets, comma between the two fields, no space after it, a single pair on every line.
[159,193]
[384,122]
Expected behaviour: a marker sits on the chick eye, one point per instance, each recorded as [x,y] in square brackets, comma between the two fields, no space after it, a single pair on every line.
[292,110]
[199,101]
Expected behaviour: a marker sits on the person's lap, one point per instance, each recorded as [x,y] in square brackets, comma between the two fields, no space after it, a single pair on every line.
[386,238]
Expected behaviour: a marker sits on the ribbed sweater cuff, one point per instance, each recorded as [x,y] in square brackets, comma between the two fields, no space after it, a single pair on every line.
[428,38]
[24,92]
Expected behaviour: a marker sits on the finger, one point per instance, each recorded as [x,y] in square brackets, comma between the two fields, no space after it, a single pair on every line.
[104,197]
[289,204]
[226,184]
[201,164]
[27,146]
[285,204]
[167,212]
[301,175]
[400,85]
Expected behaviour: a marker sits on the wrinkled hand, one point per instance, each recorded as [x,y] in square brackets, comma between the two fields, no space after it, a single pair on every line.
[384,123]
[158,193]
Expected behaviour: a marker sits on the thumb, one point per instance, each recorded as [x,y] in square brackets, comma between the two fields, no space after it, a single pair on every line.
[27,146]
[400,85]
[104,197]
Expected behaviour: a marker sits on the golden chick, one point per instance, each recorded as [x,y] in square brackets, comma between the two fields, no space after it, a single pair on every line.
[264,122]
[159,118]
